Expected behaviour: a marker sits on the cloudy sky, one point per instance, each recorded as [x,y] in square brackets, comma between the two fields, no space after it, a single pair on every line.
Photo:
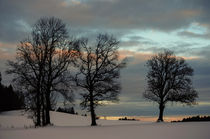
[144,27]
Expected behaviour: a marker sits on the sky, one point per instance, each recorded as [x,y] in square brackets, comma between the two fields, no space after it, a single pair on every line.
[143,27]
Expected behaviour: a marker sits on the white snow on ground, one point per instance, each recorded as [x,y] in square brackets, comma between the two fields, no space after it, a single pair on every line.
[18,119]
[15,119]
[68,126]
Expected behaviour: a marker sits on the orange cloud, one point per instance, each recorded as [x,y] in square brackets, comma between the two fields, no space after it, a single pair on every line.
[7,51]
[139,57]
[6,56]
[7,45]
[190,57]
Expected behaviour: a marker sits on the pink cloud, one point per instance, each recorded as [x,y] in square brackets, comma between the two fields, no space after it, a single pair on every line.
[7,51]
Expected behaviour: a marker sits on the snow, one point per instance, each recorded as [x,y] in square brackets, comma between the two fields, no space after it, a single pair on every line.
[15,125]
[15,119]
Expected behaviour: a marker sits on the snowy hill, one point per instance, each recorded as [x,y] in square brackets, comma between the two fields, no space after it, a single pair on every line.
[68,126]
[18,118]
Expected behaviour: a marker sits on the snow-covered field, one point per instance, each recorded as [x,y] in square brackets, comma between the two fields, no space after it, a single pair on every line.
[15,125]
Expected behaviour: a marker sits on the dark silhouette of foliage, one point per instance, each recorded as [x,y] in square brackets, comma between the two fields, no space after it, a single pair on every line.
[66,110]
[84,115]
[98,72]
[42,66]
[195,119]
[169,79]
[10,99]
[127,119]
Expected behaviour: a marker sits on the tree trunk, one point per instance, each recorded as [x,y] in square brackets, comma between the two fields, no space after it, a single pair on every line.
[38,110]
[161,108]
[48,107]
[43,117]
[92,111]
[49,85]
[43,110]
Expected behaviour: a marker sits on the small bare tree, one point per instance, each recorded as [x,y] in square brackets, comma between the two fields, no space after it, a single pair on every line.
[42,65]
[169,79]
[98,72]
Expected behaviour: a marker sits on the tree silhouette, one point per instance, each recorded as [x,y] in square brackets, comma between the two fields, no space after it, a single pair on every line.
[98,72]
[42,65]
[169,79]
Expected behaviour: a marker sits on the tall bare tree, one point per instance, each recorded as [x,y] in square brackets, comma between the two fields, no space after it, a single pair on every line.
[98,72]
[42,63]
[169,79]
[28,71]
[59,54]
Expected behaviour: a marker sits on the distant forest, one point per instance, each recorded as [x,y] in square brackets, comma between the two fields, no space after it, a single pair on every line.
[195,119]
[10,99]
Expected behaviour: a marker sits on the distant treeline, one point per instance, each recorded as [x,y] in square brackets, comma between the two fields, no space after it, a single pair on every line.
[67,110]
[127,119]
[10,99]
[195,119]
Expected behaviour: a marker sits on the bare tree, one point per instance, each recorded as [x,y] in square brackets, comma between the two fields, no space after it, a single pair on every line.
[59,54]
[28,71]
[42,63]
[98,72]
[169,79]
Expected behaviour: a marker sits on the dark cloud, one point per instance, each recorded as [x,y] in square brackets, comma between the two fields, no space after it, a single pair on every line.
[203,52]
[134,38]
[194,35]
[102,15]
